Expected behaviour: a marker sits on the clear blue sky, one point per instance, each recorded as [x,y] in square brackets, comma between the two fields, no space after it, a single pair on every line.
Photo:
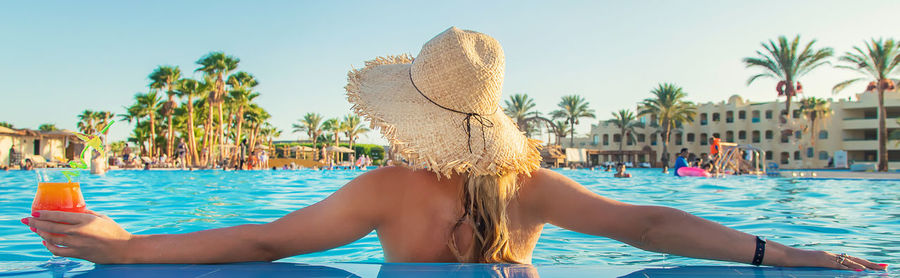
[58,58]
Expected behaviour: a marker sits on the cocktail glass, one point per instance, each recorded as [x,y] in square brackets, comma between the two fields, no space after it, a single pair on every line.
[58,189]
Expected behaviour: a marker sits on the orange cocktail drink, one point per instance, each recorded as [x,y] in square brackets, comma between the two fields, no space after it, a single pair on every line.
[61,196]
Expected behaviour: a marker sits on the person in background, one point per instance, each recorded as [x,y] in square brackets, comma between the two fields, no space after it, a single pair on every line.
[665,162]
[242,154]
[264,159]
[680,161]
[714,151]
[181,151]
[126,155]
[620,171]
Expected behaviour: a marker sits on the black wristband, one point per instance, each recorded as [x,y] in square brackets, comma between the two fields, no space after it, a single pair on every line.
[760,251]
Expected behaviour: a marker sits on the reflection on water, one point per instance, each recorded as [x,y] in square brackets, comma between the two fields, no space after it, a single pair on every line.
[853,216]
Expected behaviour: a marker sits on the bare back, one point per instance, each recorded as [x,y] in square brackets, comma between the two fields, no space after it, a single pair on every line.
[423,209]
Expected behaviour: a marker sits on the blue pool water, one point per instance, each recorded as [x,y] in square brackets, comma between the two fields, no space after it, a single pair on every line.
[858,217]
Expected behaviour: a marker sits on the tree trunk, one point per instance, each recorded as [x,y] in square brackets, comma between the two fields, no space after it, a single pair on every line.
[193,141]
[621,140]
[170,140]
[240,122]
[315,150]
[208,141]
[220,86]
[665,143]
[572,133]
[882,131]
[152,134]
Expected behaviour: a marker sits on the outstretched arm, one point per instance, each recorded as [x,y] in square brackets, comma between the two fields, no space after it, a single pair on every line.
[565,203]
[345,216]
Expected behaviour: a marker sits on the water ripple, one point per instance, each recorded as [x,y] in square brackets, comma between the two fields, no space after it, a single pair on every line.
[856,217]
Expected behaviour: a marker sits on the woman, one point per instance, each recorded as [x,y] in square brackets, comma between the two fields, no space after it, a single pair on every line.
[472,190]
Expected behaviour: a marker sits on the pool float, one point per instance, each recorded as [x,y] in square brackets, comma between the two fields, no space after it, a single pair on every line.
[692,172]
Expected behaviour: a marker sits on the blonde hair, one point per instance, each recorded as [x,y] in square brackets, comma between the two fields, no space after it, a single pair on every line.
[485,199]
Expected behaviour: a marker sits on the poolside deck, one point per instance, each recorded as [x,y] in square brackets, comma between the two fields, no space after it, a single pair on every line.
[813,174]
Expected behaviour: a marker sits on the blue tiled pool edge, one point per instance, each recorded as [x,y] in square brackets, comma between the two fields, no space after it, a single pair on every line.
[279,269]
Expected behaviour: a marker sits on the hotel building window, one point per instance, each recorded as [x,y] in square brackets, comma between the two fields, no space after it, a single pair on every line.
[768,114]
[617,138]
[596,140]
[797,155]
[742,135]
[785,158]
[823,134]
[690,137]
[756,136]
[605,139]
[798,134]
[715,117]
[769,135]
[703,139]
[796,114]
[742,115]
[729,116]
[729,136]
[785,138]
[678,139]
[768,155]
[823,155]
[652,140]
[810,152]
[716,135]
[641,138]
[703,119]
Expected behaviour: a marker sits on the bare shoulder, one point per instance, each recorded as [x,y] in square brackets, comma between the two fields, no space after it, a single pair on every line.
[543,180]
[389,180]
[541,185]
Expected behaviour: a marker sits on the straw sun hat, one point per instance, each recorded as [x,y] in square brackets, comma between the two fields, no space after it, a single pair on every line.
[440,111]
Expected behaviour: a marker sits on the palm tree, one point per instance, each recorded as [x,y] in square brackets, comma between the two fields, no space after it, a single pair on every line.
[86,122]
[669,107]
[878,63]
[335,127]
[191,88]
[147,104]
[519,107]
[572,108]
[787,63]
[312,125]
[6,125]
[814,109]
[626,121]
[354,128]
[256,117]
[164,78]
[48,127]
[241,95]
[217,64]
[562,129]
[138,136]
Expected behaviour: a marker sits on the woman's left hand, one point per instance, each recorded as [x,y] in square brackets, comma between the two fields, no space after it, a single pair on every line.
[835,261]
[90,235]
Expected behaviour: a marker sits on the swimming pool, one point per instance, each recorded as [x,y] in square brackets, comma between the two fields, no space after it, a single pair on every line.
[858,217]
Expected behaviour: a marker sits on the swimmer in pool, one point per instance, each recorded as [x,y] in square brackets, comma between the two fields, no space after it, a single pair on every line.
[620,171]
[471,190]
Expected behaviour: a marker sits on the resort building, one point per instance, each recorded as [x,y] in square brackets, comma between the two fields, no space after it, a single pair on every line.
[41,147]
[851,127]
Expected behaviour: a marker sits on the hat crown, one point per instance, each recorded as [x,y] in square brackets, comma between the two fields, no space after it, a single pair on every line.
[461,70]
